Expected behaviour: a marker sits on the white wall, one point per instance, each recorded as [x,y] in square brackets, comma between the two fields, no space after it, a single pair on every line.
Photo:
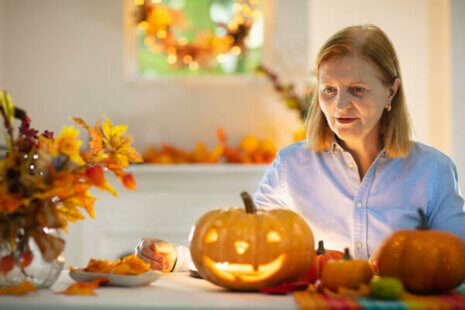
[457,9]
[2,40]
[419,31]
[65,58]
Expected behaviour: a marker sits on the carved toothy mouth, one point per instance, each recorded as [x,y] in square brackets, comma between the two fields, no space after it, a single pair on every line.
[244,272]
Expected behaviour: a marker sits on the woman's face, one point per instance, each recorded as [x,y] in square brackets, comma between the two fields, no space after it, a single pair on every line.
[352,97]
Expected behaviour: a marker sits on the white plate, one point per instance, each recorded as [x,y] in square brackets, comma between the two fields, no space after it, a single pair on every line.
[117,279]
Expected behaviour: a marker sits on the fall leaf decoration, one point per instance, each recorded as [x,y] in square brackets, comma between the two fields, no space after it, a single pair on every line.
[251,150]
[83,288]
[45,180]
[290,97]
[128,265]
[20,289]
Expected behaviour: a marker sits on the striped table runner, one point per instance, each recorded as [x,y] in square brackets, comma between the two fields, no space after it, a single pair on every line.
[454,300]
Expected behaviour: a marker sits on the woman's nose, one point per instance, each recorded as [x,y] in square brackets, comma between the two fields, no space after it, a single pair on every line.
[342,100]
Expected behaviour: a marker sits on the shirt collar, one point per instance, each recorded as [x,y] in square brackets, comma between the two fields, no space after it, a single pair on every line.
[336,145]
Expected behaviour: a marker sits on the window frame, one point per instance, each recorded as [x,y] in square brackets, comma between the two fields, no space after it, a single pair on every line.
[131,77]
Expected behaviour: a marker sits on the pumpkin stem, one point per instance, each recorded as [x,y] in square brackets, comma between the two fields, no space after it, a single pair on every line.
[347,254]
[423,223]
[321,248]
[248,203]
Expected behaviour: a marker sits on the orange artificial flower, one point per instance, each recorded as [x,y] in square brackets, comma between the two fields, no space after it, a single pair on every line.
[96,152]
[9,202]
[96,175]
[129,182]
[45,182]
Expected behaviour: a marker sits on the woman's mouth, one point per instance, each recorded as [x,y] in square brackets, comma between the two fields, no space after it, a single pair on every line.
[345,120]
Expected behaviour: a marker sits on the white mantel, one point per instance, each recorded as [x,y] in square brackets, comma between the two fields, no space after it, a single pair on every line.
[168,201]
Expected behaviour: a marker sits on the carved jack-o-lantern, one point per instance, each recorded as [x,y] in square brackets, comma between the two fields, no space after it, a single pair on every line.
[249,249]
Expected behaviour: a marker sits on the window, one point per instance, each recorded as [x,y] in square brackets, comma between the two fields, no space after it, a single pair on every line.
[196,38]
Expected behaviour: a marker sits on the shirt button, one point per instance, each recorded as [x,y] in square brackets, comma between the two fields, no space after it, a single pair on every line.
[359,205]
[359,245]
[351,165]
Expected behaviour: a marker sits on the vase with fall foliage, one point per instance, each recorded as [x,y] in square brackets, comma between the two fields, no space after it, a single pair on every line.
[44,185]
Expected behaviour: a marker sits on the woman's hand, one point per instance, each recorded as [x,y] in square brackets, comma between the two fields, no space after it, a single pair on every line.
[160,254]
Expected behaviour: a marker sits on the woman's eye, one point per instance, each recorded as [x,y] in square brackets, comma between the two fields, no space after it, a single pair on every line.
[358,90]
[329,90]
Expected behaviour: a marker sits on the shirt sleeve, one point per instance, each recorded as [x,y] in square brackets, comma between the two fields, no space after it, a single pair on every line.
[446,210]
[184,259]
[271,191]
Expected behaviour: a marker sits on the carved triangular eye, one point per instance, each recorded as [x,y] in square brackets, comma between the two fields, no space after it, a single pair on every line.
[273,236]
[212,236]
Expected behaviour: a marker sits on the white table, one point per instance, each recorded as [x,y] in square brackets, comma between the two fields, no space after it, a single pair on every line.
[171,291]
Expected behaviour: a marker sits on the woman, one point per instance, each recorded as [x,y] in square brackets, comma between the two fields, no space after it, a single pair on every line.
[359,176]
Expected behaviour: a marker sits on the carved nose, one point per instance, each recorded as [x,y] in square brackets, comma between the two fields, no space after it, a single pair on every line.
[241,247]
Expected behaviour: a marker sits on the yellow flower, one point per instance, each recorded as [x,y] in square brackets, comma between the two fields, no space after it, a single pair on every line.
[67,144]
[122,151]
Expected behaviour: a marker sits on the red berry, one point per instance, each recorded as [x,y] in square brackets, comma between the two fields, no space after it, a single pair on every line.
[129,182]
[26,259]
[6,264]
[96,175]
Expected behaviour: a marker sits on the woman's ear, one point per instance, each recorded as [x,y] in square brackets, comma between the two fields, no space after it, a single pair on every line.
[393,89]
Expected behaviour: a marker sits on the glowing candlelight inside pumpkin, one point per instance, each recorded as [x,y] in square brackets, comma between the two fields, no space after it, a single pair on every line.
[250,249]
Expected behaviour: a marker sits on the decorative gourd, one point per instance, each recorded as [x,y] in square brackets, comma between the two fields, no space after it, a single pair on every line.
[386,288]
[249,249]
[347,273]
[322,257]
[425,260]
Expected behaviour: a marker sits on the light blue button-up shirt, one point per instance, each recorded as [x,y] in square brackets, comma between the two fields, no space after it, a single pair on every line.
[344,211]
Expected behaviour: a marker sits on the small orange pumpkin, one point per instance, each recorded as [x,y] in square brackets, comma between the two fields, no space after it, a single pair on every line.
[322,257]
[347,273]
[425,260]
[249,249]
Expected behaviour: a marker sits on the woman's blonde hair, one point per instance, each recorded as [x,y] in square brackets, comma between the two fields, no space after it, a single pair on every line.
[371,43]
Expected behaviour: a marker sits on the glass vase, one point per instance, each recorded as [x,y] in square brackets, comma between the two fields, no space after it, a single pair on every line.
[41,273]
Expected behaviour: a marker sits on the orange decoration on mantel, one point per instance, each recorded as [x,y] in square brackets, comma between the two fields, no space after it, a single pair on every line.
[251,150]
